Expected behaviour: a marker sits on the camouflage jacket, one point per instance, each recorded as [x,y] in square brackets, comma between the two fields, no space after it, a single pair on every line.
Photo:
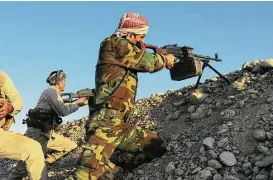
[116,78]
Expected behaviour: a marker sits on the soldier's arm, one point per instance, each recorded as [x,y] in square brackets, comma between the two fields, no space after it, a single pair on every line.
[130,56]
[56,102]
[11,93]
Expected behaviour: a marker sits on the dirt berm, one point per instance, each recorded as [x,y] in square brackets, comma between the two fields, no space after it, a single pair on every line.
[226,137]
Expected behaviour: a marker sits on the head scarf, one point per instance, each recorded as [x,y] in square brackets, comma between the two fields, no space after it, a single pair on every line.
[132,23]
[55,77]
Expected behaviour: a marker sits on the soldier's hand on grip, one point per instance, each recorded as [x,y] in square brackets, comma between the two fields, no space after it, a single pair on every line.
[81,101]
[5,108]
[170,61]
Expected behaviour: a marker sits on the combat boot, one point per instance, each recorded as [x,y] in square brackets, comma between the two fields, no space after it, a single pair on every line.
[110,171]
[51,158]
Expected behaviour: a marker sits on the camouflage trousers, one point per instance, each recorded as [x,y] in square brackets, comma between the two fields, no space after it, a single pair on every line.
[106,131]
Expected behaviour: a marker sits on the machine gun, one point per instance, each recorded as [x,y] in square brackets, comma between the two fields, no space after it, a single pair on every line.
[83,93]
[187,64]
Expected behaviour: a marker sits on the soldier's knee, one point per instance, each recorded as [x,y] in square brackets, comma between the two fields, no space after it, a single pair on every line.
[155,148]
[74,145]
[35,149]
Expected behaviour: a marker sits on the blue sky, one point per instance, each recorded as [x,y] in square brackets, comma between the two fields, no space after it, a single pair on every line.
[39,37]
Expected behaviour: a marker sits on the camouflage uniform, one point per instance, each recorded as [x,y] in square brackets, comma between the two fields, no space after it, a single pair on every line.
[116,86]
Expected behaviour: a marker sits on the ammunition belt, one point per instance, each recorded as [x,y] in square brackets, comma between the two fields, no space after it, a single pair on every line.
[38,124]
[41,119]
[40,114]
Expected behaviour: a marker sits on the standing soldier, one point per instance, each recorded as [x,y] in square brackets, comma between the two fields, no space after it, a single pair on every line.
[15,146]
[45,118]
[120,60]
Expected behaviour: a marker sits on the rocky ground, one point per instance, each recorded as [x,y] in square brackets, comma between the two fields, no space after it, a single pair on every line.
[226,137]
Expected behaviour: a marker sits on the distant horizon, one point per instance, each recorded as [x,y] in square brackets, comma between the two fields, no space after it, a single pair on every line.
[37,38]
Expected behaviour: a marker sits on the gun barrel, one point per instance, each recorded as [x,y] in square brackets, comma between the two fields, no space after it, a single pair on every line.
[208,57]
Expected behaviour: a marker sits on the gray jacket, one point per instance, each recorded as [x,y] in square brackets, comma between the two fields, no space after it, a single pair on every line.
[51,100]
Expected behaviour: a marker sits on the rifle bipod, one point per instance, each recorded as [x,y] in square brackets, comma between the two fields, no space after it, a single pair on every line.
[206,64]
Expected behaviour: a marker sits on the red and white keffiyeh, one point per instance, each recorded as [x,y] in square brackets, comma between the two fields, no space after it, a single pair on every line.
[133,23]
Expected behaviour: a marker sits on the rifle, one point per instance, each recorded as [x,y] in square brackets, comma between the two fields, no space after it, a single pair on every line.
[187,64]
[83,93]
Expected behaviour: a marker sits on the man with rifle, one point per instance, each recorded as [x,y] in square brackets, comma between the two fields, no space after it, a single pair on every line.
[119,61]
[188,65]
[13,145]
[45,118]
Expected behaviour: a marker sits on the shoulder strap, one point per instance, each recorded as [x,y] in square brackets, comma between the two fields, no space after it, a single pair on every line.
[91,101]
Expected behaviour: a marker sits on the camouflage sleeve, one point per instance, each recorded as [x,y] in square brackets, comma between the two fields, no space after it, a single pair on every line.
[57,104]
[130,56]
[11,93]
